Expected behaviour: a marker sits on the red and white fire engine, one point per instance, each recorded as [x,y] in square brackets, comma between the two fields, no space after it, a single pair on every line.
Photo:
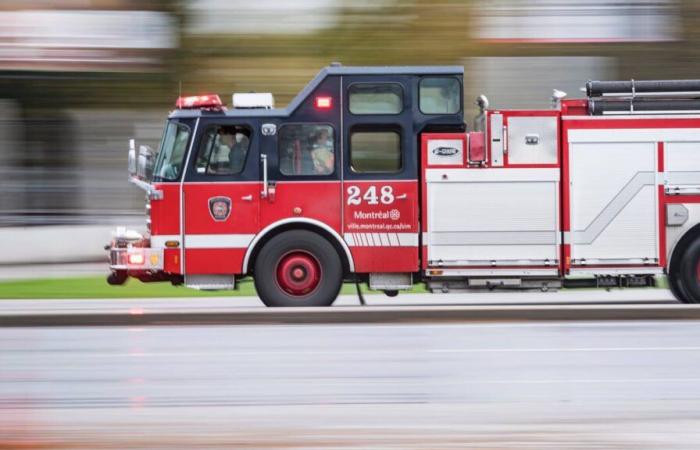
[371,175]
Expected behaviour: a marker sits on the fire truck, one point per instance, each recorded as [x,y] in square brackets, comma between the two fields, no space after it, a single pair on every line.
[370,174]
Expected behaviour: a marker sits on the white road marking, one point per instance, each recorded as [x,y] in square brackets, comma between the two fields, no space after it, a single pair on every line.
[412,351]
[564,349]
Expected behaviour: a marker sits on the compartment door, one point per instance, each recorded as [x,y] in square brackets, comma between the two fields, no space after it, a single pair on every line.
[614,204]
[493,218]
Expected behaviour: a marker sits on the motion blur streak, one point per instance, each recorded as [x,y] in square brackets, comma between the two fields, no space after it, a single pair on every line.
[547,386]
[78,79]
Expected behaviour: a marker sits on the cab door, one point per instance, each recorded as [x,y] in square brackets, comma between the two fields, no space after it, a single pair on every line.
[380,174]
[221,195]
[301,162]
[300,173]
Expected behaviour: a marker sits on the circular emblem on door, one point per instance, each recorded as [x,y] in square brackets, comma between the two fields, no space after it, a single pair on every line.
[220,208]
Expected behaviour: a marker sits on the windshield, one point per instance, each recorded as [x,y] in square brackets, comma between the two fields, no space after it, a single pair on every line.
[171,157]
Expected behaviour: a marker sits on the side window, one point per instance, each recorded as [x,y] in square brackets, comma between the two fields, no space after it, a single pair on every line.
[223,150]
[375,98]
[306,150]
[440,95]
[375,151]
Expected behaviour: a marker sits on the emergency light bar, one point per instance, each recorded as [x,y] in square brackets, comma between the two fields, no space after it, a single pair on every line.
[199,101]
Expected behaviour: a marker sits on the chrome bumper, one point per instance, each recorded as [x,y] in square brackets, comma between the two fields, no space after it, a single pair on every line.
[130,251]
[138,258]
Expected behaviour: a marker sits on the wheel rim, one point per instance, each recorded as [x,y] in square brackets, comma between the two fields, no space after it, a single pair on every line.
[298,273]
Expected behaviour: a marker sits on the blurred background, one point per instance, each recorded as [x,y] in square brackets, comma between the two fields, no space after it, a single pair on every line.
[78,78]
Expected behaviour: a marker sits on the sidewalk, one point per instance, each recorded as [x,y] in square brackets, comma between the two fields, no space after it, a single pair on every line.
[57,243]
[32,271]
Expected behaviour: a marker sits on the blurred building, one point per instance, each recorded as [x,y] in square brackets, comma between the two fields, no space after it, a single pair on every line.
[62,66]
[79,78]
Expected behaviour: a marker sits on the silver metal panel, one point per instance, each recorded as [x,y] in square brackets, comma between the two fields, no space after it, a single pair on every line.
[499,272]
[495,175]
[621,135]
[496,128]
[532,140]
[614,208]
[493,219]
[492,206]
[210,282]
[492,238]
[682,157]
[621,271]
[390,281]
[682,168]
[681,178]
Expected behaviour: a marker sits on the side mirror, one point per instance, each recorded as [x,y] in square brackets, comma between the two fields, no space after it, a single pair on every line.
[146,161]
[132,158]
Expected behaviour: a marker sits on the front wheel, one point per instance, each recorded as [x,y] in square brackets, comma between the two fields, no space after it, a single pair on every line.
[298,268]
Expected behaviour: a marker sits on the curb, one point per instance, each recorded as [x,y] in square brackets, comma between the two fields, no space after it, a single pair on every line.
[360,315]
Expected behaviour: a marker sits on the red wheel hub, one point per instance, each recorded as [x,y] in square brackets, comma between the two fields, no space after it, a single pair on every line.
[298,273]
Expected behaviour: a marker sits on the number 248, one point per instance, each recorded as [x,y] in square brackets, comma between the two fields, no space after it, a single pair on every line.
[385,196]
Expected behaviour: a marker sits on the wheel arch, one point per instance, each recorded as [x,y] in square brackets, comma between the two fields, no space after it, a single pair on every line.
[283,225]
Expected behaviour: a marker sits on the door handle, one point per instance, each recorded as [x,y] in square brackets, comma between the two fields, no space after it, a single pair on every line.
[247,198]
[402,197]
[263,159]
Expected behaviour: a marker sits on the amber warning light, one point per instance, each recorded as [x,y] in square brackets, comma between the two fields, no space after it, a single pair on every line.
[324,102]
[199,101]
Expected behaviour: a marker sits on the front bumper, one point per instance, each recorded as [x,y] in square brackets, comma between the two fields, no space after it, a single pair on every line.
[132,259]
[131,252]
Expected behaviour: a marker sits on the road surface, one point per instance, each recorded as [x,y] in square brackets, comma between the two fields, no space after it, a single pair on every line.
[581,385]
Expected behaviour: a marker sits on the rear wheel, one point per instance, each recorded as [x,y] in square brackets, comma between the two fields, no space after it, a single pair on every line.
[298,268]
[688,281]
[675,281]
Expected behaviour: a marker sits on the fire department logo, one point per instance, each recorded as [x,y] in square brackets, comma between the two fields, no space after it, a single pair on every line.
[220,208]
[395,214]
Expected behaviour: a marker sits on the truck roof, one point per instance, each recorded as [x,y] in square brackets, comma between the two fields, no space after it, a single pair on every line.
[332,70]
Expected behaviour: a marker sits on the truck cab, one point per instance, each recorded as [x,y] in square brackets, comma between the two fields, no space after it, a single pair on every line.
[339,165]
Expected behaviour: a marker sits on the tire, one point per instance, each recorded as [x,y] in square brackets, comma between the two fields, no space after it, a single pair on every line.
[117,278]
[298,268]
[675,285]
[688,281]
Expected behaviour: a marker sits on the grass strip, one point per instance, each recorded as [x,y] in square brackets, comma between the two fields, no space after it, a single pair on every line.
[97,287]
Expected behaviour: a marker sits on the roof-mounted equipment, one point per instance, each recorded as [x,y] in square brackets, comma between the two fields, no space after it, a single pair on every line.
[643,97]
[253,100]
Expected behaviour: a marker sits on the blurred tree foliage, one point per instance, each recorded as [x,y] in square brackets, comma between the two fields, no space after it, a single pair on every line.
[406,32]
[395,32]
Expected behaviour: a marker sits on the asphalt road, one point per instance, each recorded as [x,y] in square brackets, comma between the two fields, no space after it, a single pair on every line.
[583,385]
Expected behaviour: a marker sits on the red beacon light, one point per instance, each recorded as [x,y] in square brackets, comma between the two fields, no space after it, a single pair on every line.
[324,102]
[211,101]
